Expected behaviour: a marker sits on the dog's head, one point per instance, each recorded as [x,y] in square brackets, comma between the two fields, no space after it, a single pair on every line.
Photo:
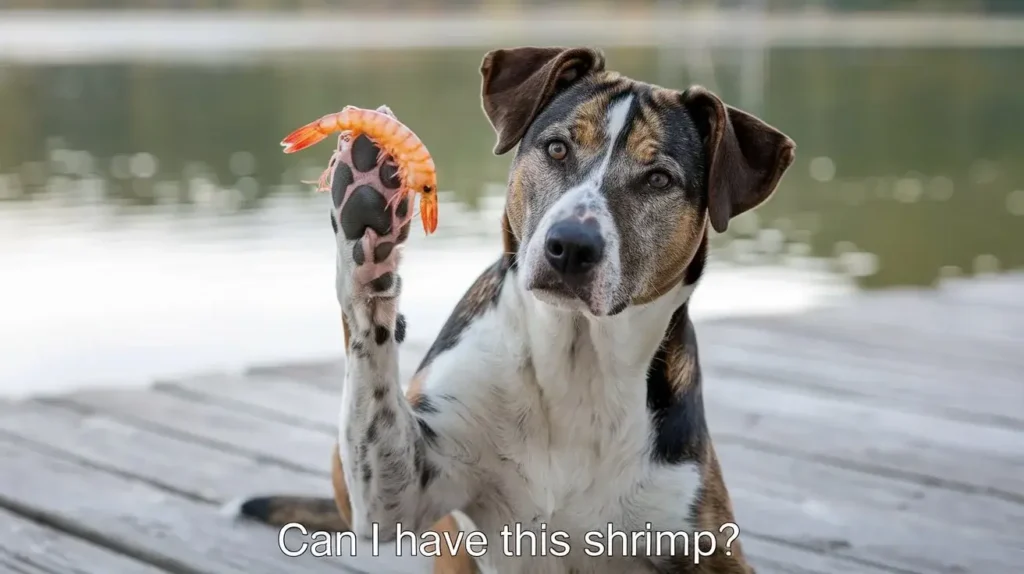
[614,179]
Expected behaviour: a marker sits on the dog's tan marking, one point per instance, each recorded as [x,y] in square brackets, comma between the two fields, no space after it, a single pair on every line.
[681,365]
[676,254]
[714,508]
[415,388]
[645,136]
[447,563]
[589,124]
[515,208]
[340,487]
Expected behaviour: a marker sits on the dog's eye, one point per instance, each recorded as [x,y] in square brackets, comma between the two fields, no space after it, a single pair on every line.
[557,150]
[658,180]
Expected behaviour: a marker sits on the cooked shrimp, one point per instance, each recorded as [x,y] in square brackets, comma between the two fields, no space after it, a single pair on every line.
[415,165]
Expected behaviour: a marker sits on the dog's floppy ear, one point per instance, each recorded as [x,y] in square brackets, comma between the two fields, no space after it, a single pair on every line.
[746,157]
[517,82]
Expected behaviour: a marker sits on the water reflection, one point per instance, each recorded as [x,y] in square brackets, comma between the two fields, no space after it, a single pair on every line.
[906,168]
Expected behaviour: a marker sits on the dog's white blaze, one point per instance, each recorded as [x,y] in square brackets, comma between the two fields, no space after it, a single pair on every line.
[617,114]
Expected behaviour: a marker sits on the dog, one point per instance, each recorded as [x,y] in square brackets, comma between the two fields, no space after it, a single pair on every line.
[564,391]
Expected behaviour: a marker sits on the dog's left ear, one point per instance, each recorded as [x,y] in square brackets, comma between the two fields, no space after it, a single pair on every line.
[518,82]
[746,157]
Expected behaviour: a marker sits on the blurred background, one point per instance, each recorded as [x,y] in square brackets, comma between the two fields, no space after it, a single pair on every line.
[150,225]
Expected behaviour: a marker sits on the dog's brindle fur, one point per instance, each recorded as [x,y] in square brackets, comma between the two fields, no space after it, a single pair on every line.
[570,401]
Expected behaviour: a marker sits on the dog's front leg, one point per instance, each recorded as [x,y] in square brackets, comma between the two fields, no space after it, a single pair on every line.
[391,459]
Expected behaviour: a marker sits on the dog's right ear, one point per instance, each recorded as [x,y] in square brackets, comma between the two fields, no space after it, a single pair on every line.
[518,82]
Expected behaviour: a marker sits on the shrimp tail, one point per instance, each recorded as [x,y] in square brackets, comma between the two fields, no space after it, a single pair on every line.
[428,213]
[304,137]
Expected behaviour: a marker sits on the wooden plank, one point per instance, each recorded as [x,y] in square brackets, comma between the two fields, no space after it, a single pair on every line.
[302,394]
[212,424]
[912,321]
[952,453]
[841,370]
[274,396]
[27,546]
[897,541]
[846,493]
[139,520]
[829,333]
[769,557]
[832,489]
[212,474]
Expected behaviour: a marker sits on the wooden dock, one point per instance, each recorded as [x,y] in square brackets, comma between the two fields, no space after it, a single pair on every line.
[885,435]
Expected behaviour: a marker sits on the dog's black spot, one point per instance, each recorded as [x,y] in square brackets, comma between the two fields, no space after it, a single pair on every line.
[366,207]
[357,253]
[424,404]
[367,472]
[618,308]
[400,328]
[364,153]
[340,181]
[259,508]
[384,282]
[428,432]
[380,392]
[680,428]
[359,349]
[389,174]
[334,223]
[382,251]
[386,417]
[371,431]
[403,233]
[427,474]
[696,267]
[402,209]
[381,334]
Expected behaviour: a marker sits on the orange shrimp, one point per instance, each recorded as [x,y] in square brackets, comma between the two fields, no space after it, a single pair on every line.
[415,165]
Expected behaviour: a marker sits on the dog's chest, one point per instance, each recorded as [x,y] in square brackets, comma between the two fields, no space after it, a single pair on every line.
[574,450]
[574,454]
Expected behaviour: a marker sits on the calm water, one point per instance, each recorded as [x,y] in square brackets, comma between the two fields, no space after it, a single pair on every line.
[150,225]
[908,163]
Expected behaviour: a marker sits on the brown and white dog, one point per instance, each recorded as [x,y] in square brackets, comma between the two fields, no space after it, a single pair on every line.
[565,389]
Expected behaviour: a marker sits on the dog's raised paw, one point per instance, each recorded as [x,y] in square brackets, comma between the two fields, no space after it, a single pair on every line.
[371,224]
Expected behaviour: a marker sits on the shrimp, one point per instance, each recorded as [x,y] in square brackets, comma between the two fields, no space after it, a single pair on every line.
[416,170]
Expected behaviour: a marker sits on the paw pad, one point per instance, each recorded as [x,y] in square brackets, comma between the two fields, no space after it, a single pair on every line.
[363,182]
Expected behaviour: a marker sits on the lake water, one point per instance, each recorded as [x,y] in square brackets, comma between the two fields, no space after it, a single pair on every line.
[150,224]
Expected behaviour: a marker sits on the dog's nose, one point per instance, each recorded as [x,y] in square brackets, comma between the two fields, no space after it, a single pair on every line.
[573,247]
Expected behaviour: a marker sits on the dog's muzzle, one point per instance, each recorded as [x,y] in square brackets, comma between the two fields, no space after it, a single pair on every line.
[573,262]
[574,248]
